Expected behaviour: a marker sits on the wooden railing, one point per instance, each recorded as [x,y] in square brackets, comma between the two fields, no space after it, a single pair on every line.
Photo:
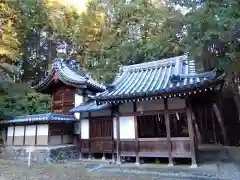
[97,145]
[156,147]
[148,147]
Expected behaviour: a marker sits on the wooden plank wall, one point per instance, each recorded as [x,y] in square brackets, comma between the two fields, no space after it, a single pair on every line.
[63,99]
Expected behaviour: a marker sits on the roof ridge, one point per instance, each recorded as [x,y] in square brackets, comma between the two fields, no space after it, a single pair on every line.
[151,64]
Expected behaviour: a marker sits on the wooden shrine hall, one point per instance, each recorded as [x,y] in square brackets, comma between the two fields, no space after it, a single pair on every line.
[68,85]
[148,111]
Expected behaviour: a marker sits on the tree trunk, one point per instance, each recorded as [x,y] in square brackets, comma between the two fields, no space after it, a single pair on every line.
[221,123]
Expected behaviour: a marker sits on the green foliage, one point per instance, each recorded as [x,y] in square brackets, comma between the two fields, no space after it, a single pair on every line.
[9,41]
[213,32]
[113,33]
[18,99]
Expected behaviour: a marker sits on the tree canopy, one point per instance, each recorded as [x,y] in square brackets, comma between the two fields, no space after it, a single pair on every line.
[111,33]
[18,99]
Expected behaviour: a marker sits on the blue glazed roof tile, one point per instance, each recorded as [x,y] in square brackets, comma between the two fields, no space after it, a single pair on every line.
[163,76]
[41,117]
[90,106]
[68,75]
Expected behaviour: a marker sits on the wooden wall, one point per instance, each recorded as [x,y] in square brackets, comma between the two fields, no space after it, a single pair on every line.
[62,99]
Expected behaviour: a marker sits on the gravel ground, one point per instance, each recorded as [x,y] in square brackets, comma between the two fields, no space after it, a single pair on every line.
[224,169]
[10,170]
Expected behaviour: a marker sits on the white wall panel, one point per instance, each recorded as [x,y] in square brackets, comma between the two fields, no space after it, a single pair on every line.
[42,130]
[127,127]
[30,130]
[114,128]
[78,100]
[19,131]
[85,129]
[10,131]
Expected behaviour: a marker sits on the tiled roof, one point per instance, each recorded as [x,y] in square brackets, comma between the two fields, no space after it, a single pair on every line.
[90,106]
[170,75]
[42,117]
[68,75]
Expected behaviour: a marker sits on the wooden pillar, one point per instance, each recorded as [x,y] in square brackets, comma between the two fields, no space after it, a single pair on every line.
[79,139]
[62,124]
[167,123]
[13,135]
[24,135]
[36,132]
[89,137]
[191,134]
[214,127]
[113,140]
[118,147]
[49,133]
[136,134]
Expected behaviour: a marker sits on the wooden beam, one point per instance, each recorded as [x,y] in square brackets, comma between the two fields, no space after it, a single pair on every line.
[136,134]
[167,123]
[191,134]
[152,112]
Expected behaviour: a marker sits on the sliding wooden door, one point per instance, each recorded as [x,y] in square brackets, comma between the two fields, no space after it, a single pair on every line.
[101,135]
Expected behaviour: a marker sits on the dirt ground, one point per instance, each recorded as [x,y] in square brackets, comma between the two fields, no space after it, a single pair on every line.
[10,170]
[224,165]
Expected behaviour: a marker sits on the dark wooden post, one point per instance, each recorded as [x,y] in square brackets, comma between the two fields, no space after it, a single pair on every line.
[136,134]
[49,133]
[24,135]
[89,137]
[36,132]
[113,140]
[62,124]
[79,139]
[118,146]
[167,123]
[13,135]
[191,134]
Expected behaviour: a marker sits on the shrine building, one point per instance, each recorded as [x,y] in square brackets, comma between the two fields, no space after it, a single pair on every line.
[148,111]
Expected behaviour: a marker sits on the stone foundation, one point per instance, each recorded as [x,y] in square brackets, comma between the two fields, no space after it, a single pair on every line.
[40,155]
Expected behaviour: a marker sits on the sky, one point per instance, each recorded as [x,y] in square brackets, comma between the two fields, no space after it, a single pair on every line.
[79,4]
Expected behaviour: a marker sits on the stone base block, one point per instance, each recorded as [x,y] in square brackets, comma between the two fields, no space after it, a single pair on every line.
[41,155]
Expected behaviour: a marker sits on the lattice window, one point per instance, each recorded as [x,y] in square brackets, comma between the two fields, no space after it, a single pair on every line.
[151,126]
